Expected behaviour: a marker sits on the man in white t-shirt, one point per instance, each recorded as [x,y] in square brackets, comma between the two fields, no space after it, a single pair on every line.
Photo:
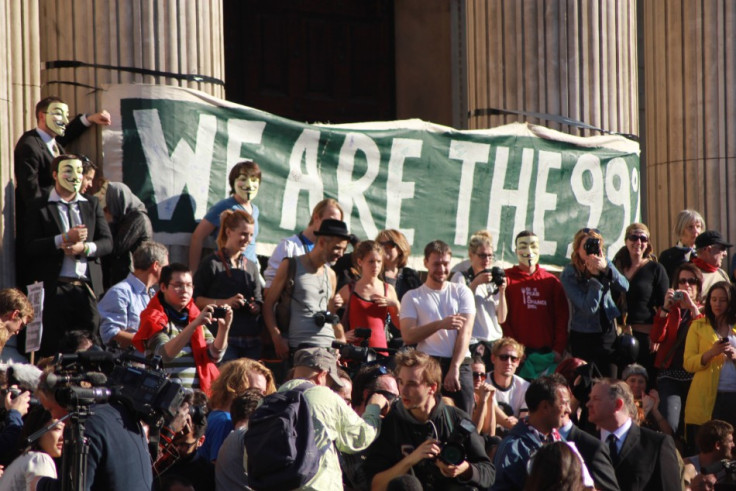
[510,388]
[438,316]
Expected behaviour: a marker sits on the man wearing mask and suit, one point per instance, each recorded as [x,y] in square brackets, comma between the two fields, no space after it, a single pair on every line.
[66,234]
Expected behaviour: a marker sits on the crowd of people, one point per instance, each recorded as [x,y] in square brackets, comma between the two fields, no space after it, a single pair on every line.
[618,374]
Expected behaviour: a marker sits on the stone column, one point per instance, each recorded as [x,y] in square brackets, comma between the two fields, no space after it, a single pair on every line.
[690,96]
[572,58]
[19,92]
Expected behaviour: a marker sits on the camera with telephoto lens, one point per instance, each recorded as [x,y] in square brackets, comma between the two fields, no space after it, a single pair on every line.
[453,450]
[592,246]
[726,471]
[325,316]
[352,353]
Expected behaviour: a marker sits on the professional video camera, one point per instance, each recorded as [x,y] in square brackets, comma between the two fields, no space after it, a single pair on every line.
[359,354]
[91,377]
[453,450]
[726,473]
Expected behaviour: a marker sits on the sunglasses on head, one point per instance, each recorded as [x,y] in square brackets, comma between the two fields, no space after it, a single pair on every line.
[689,281]
[507,357]
[643,238]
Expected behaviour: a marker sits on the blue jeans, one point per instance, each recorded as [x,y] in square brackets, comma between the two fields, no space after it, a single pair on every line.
[672,396]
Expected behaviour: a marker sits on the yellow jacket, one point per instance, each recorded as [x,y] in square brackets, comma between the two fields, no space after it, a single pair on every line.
[702,395]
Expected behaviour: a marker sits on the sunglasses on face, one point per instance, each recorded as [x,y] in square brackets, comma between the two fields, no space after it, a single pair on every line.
[479,375]
[507,357]
[388,243]
[643,238]
[689,281]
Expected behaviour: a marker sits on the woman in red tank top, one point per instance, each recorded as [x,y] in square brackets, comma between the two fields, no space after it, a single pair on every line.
[369,300]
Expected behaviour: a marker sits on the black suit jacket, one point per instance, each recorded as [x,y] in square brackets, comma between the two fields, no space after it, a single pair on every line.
[648,461]
[32,163]
[596,457]
[43,224]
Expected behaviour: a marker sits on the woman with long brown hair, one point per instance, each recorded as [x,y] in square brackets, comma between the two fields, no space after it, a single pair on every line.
[588,281]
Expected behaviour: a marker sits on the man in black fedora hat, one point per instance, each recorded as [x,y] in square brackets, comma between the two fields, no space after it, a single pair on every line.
[313,322]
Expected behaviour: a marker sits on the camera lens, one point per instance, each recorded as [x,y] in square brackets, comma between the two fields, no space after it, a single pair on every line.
[452,454]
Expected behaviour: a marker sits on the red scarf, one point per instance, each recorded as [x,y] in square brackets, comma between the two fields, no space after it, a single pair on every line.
[154,319]
[703,266]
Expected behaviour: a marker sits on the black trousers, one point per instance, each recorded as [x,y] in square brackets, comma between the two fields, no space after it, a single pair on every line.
[463,399]
[67,307]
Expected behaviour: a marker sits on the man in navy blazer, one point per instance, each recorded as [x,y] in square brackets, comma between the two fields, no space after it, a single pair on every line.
[66,234]
[643,459]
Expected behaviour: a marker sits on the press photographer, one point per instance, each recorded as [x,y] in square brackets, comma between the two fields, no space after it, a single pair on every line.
[105,445]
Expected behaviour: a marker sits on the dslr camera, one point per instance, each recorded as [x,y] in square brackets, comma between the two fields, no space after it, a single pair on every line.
[325,316]
[592,246]
[498,275]
[453,450]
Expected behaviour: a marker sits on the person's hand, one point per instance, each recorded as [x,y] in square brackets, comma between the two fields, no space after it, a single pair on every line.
[205,316]
[453,322]
[178,422]
[429,449]
[236,301]
[281,345]
[452,380]
[668,299]
[74,249]
[383,301]
[596,264]
[102,118]
[719,348]
[254,307]
[379,400]
[452,471]
[510,422]
[485,390]
[481,279]
[647,403]
[19,403]
[350,337]
[77,234]
[228,320]
[502,286]
[336,303]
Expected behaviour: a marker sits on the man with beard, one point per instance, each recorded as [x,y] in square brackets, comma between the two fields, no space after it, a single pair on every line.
[537,306]
[66,235]
[313,321]
[438,317]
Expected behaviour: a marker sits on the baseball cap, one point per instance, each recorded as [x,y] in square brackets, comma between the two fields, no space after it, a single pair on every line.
[319,359]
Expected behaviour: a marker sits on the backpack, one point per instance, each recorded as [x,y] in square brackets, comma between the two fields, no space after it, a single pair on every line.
[281,442]
[283,306]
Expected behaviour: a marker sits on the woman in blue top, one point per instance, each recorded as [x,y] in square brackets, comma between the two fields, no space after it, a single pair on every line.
[588,282]
[245,180]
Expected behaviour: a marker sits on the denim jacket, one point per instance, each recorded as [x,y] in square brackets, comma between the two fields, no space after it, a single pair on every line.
[587,294]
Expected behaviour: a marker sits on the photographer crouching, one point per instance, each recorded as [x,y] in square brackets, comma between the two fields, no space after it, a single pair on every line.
[424,437]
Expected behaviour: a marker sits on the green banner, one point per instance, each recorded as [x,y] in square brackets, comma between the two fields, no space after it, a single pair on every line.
[174,148]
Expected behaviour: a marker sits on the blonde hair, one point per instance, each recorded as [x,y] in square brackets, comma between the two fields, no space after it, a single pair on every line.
[322,206]
[481,238]
[233,381]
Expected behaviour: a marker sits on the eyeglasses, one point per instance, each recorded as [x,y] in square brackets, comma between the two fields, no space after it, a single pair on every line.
[507,357]
[182,286]
[388,243]
[689,281]
[486,256]
[643,238]
[479,375]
